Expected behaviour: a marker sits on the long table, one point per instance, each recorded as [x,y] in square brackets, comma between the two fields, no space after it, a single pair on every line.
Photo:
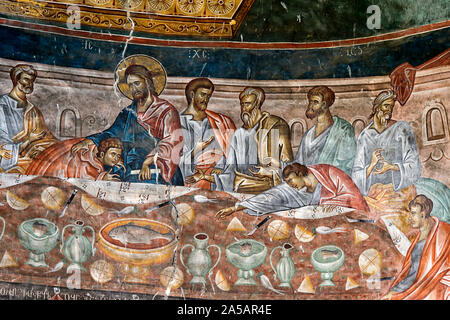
[30,189]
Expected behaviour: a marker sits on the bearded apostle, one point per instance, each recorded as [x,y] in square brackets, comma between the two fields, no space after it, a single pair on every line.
[149,127]
[425,273]
[319,184]
[257,152]
[206,134]
[387,161]
[23,132]
[331,140]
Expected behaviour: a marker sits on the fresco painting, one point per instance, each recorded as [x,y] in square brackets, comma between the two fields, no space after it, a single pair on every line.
[223,150]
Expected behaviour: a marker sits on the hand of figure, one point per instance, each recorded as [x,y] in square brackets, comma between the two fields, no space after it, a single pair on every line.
[262,172]
[82,145]
[36,136]
[329,208]
[271,162]
[5,153]
[376,157]
[222,214]
[386,166]
[197,176]
[145,173]
[120,164]
[216,171]
[111,177]
[201,145]
[35,151]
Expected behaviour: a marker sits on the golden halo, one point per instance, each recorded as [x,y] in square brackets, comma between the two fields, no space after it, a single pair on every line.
[154,66]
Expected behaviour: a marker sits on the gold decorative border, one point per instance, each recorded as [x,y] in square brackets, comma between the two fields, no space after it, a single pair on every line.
[106,18]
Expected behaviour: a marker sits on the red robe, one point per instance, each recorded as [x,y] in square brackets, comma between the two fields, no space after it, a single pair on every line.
[338,188]
[433,276]
[223,128]
[162,120]
[58,161]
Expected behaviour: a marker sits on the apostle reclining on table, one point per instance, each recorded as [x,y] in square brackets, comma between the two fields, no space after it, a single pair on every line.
[102,163]
[320,184]
[425,273]
[149,129]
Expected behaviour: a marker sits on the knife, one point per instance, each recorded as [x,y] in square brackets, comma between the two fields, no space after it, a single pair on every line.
[157,206]
[360,220]
[380,279]
[259,225]
[68,202]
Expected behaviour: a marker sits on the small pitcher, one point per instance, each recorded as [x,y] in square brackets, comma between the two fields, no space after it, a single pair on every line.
[4,226]
[285,268]
[199,261]
[77,248]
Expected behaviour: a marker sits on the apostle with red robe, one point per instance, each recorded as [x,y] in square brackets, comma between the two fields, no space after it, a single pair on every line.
[207,134]
[425,273]
[102,163]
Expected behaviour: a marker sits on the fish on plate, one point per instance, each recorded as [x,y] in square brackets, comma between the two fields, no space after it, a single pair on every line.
[132,233]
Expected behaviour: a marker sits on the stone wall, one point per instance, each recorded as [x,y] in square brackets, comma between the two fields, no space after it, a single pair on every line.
[79,102]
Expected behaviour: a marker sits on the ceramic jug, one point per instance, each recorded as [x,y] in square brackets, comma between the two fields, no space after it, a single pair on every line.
[199,261]
[285,268]
[3,228]
[77,248]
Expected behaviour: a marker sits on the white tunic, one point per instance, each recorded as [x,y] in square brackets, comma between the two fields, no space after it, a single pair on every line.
[281,197]
[11,123]
[311,147]
[399,147]
[242,156]
[193,132]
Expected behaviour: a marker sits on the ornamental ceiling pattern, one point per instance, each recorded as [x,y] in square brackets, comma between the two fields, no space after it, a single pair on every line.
[205,18]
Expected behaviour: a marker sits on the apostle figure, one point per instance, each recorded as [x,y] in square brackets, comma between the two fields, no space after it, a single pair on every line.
[206,134]
[387,161]
[149,128]
[319,184]
[102,163]
[23,132]
[332,139]
[257,152]
[425,273]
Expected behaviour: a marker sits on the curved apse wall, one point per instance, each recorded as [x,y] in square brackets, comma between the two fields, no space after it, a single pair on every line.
[284,47]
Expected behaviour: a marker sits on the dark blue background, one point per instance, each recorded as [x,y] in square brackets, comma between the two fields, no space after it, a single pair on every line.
[367,60]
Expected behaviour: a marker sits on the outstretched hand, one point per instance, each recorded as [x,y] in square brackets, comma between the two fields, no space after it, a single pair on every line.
[222,214]
[386,166]
[145,173]
[111,177]
[4,153]
[197,176]
[201,145]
